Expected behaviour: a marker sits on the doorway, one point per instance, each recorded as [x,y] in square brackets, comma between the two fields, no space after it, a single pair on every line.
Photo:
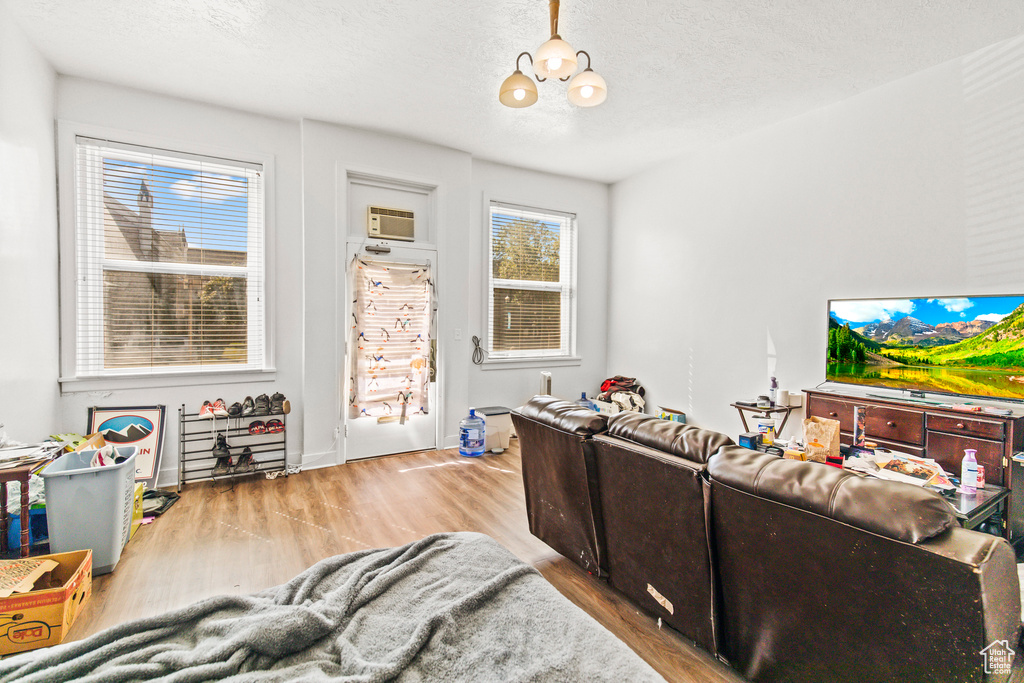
[391,387]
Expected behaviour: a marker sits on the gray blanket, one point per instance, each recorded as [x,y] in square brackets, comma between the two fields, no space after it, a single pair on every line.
[450,607]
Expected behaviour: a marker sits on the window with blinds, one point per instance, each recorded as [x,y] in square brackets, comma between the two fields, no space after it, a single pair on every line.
[532,283]
[170,261]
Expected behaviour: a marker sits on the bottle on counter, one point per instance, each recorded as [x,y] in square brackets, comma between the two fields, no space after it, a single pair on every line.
[773,391]
[969,472]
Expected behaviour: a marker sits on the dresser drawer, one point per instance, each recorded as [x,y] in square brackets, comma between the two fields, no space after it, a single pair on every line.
[832,409]
[919,451]
[968,426]
[894,424]
[948,451]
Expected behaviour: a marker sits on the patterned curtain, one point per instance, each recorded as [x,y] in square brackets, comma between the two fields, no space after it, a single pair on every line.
[391,321]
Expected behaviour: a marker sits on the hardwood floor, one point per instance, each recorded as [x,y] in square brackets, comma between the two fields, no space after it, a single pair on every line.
[261,533]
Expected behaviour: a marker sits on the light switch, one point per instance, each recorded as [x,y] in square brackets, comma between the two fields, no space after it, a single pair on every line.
[458,334]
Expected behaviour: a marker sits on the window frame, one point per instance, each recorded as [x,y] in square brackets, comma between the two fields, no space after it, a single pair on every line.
[568,285]
[74,378]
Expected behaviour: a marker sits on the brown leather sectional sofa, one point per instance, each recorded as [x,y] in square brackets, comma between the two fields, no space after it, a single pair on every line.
[788,571]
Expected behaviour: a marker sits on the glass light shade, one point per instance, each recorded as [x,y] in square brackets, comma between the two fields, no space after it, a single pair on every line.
[587,89]
[518,90]
[548,55]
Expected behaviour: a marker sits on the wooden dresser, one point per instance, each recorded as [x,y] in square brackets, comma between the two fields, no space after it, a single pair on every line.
[938,433]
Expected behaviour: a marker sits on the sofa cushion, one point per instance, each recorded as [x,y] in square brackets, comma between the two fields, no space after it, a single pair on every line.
[892,509]
[564,416]
[685,441]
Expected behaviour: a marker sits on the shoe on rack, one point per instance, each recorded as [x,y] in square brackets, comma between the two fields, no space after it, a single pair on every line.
[279,405]
[206,410]
[235,410]
[248,406]
[274,426]
[262,405]
[222,452]
[245,463]
[219,409]
[257,427]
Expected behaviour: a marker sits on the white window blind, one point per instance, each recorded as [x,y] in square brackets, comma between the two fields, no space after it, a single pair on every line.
[169,261]
[532,283]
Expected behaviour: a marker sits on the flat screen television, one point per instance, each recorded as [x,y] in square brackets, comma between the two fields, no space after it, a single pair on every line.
[967,346]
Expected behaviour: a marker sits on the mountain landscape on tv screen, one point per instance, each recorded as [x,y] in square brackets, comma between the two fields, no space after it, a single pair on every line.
[930,344]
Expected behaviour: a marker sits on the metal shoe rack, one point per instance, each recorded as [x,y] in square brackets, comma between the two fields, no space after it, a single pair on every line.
[197,435]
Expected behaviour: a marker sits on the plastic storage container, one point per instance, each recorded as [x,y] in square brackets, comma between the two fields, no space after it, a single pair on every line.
[37,531]
[472,434]
[499,427]
[90,507]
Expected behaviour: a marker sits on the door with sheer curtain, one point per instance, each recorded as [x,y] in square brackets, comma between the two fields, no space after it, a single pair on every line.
[391,397]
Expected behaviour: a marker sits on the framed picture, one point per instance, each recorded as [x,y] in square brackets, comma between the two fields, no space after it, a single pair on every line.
[140,427]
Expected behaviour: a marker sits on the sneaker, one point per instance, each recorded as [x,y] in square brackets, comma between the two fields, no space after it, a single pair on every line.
[219,409]
[248,407]
[222,452]
[279,405]
[235,410]
[262,405]
[206,410]
[275,426]
[257,427]
[245,463]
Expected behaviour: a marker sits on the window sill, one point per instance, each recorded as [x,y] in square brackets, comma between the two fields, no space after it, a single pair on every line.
[170,379]
[539,362]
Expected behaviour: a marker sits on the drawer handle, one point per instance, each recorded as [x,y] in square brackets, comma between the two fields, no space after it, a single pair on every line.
[833,414]
[891,423]
[960,425]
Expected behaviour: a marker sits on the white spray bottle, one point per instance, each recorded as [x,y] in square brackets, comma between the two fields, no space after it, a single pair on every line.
[969,472]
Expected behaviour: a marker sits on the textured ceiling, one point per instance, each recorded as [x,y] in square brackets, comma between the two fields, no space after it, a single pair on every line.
[680,73]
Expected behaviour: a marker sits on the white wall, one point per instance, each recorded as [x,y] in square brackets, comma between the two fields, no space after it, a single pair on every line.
[28,239]
[494,385]
[191,123]
[310,220]
[723,260]
[329,153]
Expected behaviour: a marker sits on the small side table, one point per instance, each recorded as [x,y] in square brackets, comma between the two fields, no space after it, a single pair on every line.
[971,509]
[763,413]
[20,473]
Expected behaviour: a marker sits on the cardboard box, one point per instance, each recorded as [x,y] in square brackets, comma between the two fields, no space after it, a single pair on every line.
[672,414]
[42,618]
[606,408]
[137,510]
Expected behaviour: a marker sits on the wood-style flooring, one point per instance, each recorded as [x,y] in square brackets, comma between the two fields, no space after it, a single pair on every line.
[221,539]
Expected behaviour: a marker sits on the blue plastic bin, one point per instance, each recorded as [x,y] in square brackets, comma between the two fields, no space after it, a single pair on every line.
[37,528]
[90,507]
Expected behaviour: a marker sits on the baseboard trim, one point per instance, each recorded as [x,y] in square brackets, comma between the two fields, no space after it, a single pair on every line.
[315,461]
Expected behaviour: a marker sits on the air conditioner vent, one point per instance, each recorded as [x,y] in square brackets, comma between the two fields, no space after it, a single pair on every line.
[390,224]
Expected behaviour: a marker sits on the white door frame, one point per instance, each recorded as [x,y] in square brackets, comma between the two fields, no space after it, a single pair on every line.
[400,253]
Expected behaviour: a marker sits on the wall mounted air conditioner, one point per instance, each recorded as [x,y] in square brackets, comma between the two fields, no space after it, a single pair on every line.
[390,224]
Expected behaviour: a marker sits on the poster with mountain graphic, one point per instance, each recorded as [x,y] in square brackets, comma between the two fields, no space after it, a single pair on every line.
[139,427]
[966,345]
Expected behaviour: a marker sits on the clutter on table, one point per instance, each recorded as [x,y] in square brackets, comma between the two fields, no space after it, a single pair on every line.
[820,443]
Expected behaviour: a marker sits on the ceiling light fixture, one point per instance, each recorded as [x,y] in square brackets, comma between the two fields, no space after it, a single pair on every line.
[554,59]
